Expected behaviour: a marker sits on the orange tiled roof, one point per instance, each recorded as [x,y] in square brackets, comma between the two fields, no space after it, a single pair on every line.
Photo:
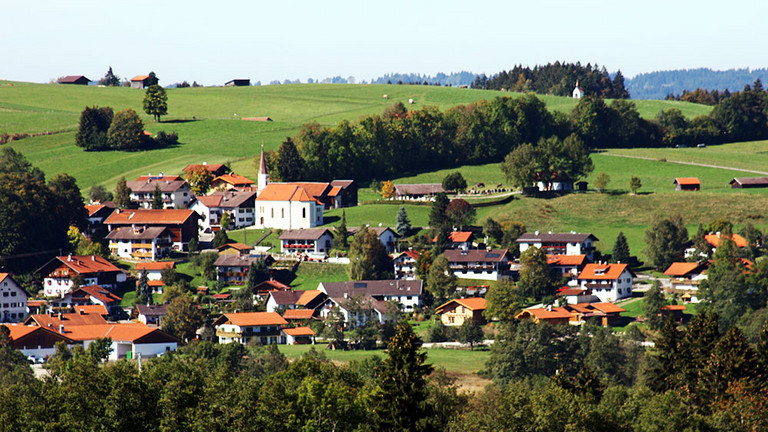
[94,208]
[608,307]
[299,331]
[307,296]
[139,77]
[687,180]
[86,264]
[234,179]
[149,216]
[245,319]
[238,246]
[681,268]
[602,271]
[155,265]
[67,319]
[99,293]
[715,239]
[673,307]
[124,332]
[298,314]
[543,313]
[575,260]
[457,236]
[18,331]
[284,192]
[471,303]
[92,309]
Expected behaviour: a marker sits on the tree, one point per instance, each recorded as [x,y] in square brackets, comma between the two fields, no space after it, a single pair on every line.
[387,189]
[126,131]
[520,167]
[122,194]
[368,259]
[204,264]
[725,291]
[289,162]
[653,300]
[403,227]
[199,179]
[69,206]
[143,290]
[437,217]
[341,233]
[460,213]
[93,127]
[225,221]
[400,402]
[157,198]
[470,332]
[665,242]
[183,318]
[503,301]
[634,185]
[621,249]
[508,241]
[155,101]
[454,182]
[601,181]
[110,79]
[220,238]
[258,272]
[441,282]
[99,194]
[493,230]
[152,79]
[536,277]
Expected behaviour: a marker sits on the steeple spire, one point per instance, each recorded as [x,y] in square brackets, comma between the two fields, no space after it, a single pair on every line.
[263,178]
[263,165]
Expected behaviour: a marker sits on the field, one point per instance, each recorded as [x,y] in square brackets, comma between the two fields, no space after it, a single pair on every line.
[208,121]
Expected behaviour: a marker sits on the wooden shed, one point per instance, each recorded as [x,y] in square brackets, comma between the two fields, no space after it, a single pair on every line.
[74,79]
[238,82]
[687,184]
[749,182]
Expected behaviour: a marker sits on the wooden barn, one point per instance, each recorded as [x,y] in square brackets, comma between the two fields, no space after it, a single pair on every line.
[74,79]
[687,184]
[749,182]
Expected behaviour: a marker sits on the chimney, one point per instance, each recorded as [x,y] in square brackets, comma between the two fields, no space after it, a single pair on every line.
[69,258]
[93,258]
[537,232]
[61,328]
[549,308]
[81,311]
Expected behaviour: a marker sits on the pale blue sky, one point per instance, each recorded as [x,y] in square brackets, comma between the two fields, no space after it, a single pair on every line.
[213,42]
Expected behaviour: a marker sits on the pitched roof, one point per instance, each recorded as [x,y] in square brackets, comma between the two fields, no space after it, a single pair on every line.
[284,192]
[71,78]
[91,309]
[20,331]
[549,237]
[715,239]
[570,291]
[228,199]
[150,217]
[607,307]
[243,319]
[372,288]
[308,296]
[66,319]
[750,181]
[544,313]
[673,307]
[5,275]
[288,297]
[123,332]
[566,260]
[342,183]
[152,310]
[413,254]
[335,191]
[687,181]
[103,295]
[475,255]
[418,189]
[299,331]
[602,271]
[234,179]
[137,233]
[155,265]
[298,314]
[471,303]
[271,285]
[303,234]
[458,236]
[236,246]
[139,77]
[379,230]
[93,209]
[165,186]
[85,264]
[684,268]
[207,166]
[159,177]
[237,260]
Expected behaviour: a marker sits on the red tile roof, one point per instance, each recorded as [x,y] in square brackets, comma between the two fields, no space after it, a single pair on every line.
[544,313]
[245,319]
[155,265]
[91,309]
[299,331]
[237,246]
[284,192]
[99,293]
[94,208]
[608,307]
[87,264]
[673,307]
[690,181]
[458,236]
[150,216]
[234,179]
[471,303]
[602,271]
[67,319]
[566,260]
[681,268]
[123,332]
[715,239]
[139,77]
[298,314]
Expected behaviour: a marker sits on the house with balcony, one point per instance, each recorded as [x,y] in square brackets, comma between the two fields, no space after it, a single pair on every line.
[373,293]
[552,315]
[567,266]
[176,193]
[140,242]
[154,272]
[405,264]
[239,205]
[181,223]
[13,300]
[459,240]
[572,243]
[387,236]
[250,327]
[233,269]
[91,270]
[289,299]
[685,278]
[86,296]
[491,264]
[298,241]
[608,282]
[455,312]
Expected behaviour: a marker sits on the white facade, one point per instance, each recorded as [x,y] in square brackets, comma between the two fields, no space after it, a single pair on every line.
[268,334]
[610,290]
[239,217]
[13,300]
[322,244]
[288,214]
[405,267]
[147,249]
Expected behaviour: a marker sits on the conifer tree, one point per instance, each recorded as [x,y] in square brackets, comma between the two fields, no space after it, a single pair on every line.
[289,163]
[653,301]
[621,249]
[143,290]
[403,227]
[157,198]
[122,194]
[340,233]
[437,216]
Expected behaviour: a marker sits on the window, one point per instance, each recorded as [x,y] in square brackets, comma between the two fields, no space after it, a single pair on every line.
[5,294]
[273,213]
[304,213]
[282,213]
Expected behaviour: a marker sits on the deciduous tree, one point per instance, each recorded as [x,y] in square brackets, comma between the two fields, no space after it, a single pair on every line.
[441,282]
[601,181]
[122,194]
[199,179]
[183,318]
[387,189]
[368,258]
[460,213]
[93,127]
[536,278]
[454,182]
[635,184]
[126,131]
[155,102]
[665,242]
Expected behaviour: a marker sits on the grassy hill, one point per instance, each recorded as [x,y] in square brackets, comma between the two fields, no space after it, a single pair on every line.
[208,121]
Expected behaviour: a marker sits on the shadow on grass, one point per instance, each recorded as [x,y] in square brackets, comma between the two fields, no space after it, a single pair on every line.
[180,120]
[330,219]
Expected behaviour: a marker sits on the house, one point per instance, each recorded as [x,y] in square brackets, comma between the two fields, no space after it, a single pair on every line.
[459,240]
[405,292]
[492,264]
[87,295]
[344,193]
[575,295]
[238,83]
[748,182]
[215,169]
[181,223]
[56,321]
[233,269]
[608,282]
[606,313]
[140,242]
[176,193]
[685,278]
[358,310]
[687,184]
[234,249]
[35,342]
[299,336]
[140,81]
[715,239]
[556,183]
[287,206]
[150,314]
[405,264]
[74,79]
[387,236]
[675,312]
[269,285]
[299,314]
[567,266]
[250,327]
[239,205]
[129,340]
[91,270]
[552,315]
[572,243]
[418,191]
[289,299]
[13,300]
[578,92]
[306,240]
[232,181]
[97,214]
[457,311]
[154,272]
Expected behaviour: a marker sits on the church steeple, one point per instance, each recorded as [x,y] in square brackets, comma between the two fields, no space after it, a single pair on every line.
[263,178]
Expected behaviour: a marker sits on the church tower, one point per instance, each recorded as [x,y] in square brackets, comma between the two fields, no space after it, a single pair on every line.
[263,178]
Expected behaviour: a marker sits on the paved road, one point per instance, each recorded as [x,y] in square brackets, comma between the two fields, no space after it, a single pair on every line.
[688,163]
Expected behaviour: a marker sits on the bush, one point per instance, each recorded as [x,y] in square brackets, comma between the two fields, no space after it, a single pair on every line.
[163,139]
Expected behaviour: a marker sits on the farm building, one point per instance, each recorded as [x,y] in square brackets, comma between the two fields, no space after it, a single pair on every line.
[418,191]
[74,79]
[238,83]
[687,184]
[749,182]
[140,81]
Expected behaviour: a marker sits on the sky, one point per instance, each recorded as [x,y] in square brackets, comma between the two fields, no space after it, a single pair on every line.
[214,42]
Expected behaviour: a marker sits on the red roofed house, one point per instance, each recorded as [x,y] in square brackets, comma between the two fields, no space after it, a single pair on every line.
[568,266]
[606,313]
[140,81]
[97,213]
[608,282]
[553,315]
[235,249]
[92,269]
[129,340]
[154,271]
[405,264]
[232,181]
[457,311]
[687,184]
[246,327]
[299,336]
[181,223]
[36,342]
[240,206]
[176,193]
[269,285]
[287,206]
[290,299]
[299,314]
[88,295]
[459,240]
[13,300]
[673,311]
[140,242]
[215,169]
[344,193]
[575,295]
[685,278]
[716,238]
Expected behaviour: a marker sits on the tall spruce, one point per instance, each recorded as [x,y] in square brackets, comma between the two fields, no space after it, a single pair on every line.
[143,290]
[653,301]
[93,127]
[725,289]
[621,249]
[157,198]
[122,194]
[437,216]
[403,227]
[289,162]
[341,233]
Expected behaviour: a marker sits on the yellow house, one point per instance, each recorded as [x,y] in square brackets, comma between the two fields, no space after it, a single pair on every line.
[455,312]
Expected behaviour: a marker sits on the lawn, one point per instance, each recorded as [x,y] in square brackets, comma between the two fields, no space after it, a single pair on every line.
[309,275]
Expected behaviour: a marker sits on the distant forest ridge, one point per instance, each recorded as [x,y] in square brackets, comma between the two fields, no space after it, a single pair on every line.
[657,85]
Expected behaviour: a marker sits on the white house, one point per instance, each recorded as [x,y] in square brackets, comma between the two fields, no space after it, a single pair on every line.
[405,264]
[289,299]
[176,192]
[92,269]
[240,205]
[306,240]
[567,266]
[154,271]
[387,236]
[140,242]
[685,278]
[572,243]
[150,314]
[13,300]
[35,342]
[88,295]
[299,336]
[129,340]
[479,263]
[608,282]
[287,206]
[405,292]
[244,327]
